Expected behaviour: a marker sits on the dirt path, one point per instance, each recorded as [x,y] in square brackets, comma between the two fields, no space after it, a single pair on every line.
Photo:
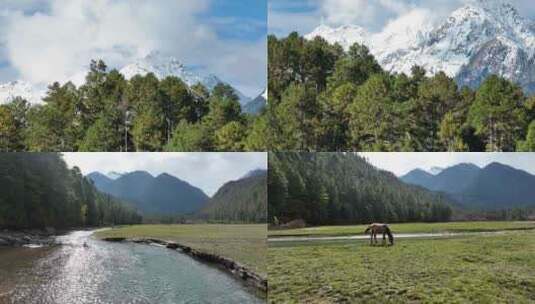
[379,237]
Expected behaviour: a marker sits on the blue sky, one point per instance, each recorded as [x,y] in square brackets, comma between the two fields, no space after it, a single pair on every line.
[48,40]
[304,15]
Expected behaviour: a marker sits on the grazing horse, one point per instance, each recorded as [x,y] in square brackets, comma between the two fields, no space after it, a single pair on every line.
[376,228]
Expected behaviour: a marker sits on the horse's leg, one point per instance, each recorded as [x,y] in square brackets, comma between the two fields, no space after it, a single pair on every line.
[384,238]
[371,238]
[375,238]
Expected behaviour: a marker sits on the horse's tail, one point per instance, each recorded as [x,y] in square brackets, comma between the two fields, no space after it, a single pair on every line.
[390,236]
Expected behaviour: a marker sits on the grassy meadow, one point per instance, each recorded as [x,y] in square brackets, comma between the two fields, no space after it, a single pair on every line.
[490,268]
[245,244]
[481,226]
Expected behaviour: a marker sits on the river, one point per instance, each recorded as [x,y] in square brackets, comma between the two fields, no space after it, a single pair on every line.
[106,272]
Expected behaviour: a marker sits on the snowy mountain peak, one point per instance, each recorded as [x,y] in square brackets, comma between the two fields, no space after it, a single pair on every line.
[10,90]
[155,62]
[481,38]
[164,66]
[345,35]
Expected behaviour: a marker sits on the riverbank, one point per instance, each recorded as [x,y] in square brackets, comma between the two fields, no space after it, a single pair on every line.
[234,268]
[88,270]
[27,238]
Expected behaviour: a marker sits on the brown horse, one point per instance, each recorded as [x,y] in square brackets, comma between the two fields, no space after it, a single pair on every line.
[376,228]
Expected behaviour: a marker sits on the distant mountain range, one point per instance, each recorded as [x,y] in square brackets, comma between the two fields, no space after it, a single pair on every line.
[482,37]
[495,186]
[160,65]
[163,194]
[244,200]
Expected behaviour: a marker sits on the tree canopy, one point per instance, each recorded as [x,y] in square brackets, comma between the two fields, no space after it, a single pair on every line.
[343,188]
[322,98]
[38,191]
[111,113]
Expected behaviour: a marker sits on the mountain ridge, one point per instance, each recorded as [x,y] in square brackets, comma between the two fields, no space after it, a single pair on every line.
[495,186]
[476,40]
[155,62]
[161,194]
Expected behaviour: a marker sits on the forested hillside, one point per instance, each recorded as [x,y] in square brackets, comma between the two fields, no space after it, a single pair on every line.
[38,191]
[241,201]
[323,98]
[160,195]
[110,113]
[343,188]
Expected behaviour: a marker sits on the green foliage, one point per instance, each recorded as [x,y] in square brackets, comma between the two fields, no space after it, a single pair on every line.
[327,188]
[241,201]
[528,144]
[110,113]
[498,115]
[40,191]
[327,99]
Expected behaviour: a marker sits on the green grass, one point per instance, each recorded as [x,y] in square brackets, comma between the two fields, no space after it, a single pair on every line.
[406,228]
[245,244]
[471,269]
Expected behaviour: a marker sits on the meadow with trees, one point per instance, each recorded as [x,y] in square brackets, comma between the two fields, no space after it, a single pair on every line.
[322,98]
[111,113]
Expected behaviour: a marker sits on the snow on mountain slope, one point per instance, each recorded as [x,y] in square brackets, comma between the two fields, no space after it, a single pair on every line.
[163,66]
[10,90]
[256,105]
[480,38]
[114,175]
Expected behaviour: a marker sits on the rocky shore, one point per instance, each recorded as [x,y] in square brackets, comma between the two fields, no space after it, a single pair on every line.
[239,271]
[19,238]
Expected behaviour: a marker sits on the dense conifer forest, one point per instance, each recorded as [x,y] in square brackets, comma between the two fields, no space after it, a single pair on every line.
[343,188]
[39,191]
[110,113]
[322,98]
[241,201]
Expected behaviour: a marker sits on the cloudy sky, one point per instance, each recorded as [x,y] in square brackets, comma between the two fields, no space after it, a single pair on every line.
[53,40]
[402,163]
[208,171]
[304,15]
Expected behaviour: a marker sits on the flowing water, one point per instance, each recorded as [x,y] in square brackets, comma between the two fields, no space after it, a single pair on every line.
[104,272]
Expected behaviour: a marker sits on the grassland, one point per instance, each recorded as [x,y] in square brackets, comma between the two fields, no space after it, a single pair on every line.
[488,226]
[491,268]
[245,244]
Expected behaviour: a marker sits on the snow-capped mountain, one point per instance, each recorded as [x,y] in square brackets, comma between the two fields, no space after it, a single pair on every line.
[163,66]
[13,89]
[256,105]
[114,175]
[480,38]
[436,170]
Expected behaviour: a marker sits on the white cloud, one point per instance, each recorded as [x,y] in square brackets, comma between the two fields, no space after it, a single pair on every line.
[373,15]
[208,171]
[57,43]
[403,162]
